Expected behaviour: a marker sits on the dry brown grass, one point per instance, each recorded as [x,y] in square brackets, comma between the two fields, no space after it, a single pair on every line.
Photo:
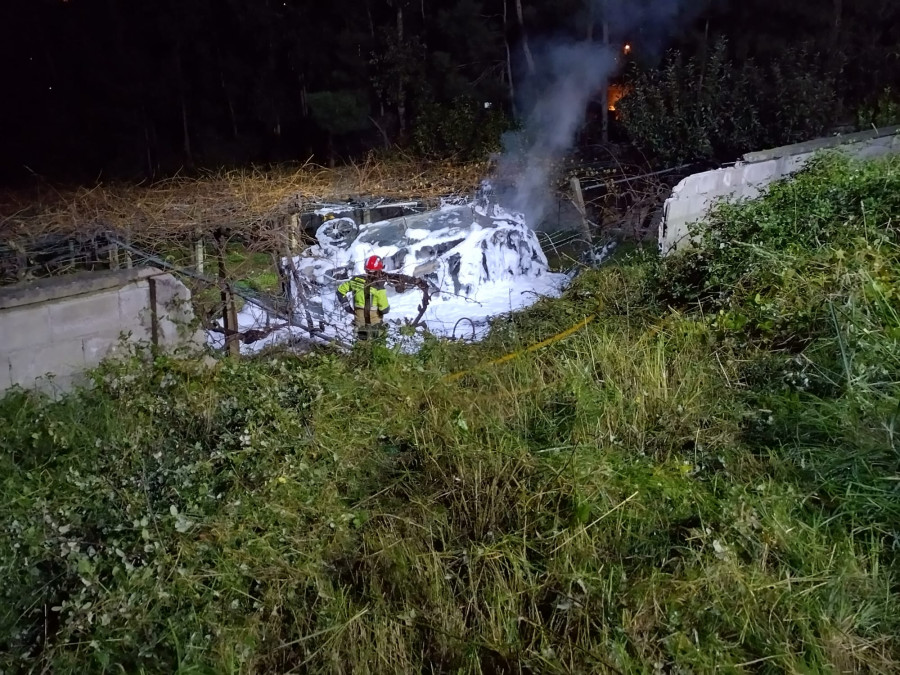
[241,201]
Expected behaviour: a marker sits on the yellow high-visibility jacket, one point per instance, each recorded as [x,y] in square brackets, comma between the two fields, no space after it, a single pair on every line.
[368,294]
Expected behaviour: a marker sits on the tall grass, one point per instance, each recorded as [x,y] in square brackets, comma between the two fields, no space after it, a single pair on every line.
[663,491]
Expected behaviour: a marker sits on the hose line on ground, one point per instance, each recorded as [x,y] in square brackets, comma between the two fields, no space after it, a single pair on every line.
[452,377]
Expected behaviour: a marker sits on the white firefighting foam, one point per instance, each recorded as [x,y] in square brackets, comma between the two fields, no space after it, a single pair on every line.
[479,260]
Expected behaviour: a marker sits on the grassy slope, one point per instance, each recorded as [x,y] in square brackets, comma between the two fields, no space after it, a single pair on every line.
[704,478]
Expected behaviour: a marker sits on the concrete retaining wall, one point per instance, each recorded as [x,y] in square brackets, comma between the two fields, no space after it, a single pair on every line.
[65,325]
[692,198]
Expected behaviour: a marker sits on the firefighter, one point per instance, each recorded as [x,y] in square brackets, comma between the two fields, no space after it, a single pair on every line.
[369,301]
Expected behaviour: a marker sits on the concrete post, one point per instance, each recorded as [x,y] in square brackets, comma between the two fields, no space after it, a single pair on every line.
[294,230]
[578,200]
[113,257]
[229,311]
[199,254]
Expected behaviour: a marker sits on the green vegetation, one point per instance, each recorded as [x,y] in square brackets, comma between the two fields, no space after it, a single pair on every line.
[251,272]
[705,478]
[713,107]
[884,112]
[255,271]
[464,129]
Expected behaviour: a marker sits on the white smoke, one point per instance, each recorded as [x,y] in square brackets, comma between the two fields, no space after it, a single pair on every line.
[568,74]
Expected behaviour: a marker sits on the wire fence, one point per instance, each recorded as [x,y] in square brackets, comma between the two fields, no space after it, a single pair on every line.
[248,270]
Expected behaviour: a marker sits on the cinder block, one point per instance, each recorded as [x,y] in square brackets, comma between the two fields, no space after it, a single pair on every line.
[177,297]
[873,152]
[681,210]
[750,191]
[707,182]
[722,192]
[675,233]
[682,187]
[794,163]
[761,172]
[85,315]
[98,348]
[5,377]
[174,312]
[732,177]
[134,306]
[135,316]
[781,165]
[55,387]
[677,241]
[62,359]
[27,326]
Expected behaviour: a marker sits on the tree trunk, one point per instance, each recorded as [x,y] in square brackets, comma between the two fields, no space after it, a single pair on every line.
[189,156]
[838,22]
[229,311]
[589,32]
[384,135]
[299,297]
[185,127]
[604,118]
[401,89]
[148,145]
[231,114]
[304,104]
[529,58]
[703,61]
[509,68]
[371,21]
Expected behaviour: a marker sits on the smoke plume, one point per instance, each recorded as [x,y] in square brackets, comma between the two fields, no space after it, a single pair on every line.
[554,99]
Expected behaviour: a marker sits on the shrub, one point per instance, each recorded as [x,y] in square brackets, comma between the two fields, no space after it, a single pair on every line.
[463,129]
[715,108]
[808,274]
[881,112]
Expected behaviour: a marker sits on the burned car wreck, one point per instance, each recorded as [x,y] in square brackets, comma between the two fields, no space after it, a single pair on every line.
[477,260]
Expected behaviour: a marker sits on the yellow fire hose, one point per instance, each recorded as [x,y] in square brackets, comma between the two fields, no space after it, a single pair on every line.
[533,348]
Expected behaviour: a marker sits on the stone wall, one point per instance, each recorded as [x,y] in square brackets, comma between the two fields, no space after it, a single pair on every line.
[53,330]
[692,198]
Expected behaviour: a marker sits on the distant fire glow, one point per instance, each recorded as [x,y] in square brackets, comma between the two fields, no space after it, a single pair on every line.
[614,94]
[627,49]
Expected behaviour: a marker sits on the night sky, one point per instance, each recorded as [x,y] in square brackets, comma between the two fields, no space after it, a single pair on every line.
[104,88]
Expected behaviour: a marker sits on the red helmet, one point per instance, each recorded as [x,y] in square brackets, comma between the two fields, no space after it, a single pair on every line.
[374,264]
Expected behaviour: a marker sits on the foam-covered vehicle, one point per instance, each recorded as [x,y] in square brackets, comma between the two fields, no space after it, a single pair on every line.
[478,260]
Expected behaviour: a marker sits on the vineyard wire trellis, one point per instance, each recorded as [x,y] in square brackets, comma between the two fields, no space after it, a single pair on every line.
[276,231]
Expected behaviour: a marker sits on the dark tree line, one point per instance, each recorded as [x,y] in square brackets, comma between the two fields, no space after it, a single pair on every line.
[783,73]
[140,89]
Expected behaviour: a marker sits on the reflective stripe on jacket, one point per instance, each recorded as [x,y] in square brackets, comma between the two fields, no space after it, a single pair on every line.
[361,287]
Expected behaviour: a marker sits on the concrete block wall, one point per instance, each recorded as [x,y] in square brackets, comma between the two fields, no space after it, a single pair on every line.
[53,330]
[693,197]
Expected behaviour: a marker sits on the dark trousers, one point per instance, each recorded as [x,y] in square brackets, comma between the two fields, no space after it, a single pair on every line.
[368,330]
